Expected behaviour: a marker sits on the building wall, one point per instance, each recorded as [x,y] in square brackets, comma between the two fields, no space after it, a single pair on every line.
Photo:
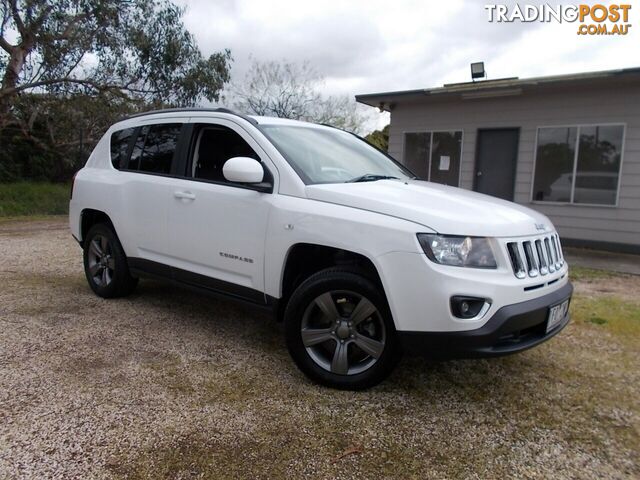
[576,106]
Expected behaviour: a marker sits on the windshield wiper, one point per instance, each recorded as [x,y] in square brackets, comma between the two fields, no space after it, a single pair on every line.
[370,177]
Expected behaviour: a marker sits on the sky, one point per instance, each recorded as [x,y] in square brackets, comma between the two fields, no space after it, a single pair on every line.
[374,46]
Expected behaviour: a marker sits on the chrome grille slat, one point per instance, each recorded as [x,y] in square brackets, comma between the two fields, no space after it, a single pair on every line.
[523,260]
[532,264]
[551,264]
[556,247]
[541,257]
[536,256]
[554,251]
[516,260]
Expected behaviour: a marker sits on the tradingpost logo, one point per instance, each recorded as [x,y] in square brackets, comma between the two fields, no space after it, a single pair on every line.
[595,19]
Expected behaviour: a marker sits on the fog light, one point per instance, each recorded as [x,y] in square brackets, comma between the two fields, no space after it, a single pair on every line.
[464,307]
[468,307]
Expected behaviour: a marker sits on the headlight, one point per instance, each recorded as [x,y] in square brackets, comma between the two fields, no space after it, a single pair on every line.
[458,251]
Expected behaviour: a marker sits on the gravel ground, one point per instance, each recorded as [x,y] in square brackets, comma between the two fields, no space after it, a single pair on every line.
[168,384]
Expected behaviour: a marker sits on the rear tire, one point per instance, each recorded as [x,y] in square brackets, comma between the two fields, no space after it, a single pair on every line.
[105,264]
[339,330]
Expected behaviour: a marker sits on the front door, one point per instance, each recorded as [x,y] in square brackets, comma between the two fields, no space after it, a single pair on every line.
[496,158]
[217,229]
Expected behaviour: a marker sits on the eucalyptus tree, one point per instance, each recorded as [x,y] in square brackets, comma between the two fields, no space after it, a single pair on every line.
[137,50]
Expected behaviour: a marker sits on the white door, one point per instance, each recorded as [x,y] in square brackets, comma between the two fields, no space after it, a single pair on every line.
[216,229]
[147,186]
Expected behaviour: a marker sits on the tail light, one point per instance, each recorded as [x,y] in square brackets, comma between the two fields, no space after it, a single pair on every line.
[73,181]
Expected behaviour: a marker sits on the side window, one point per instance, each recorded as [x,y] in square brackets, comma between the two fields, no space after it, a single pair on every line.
[120,142]
[154,148]
[138,146]
[159,147]
[215,145]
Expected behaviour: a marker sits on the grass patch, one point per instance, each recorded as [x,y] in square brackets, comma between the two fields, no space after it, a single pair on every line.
[617,316]
[597,320]
[588,274]
[33,198]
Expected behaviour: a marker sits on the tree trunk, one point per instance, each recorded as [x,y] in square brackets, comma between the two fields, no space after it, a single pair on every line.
[10,80]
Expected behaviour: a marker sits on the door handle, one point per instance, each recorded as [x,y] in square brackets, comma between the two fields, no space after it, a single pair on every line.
[479,174]
[184,195]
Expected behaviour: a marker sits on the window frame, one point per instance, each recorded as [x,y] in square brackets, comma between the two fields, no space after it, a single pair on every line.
[125,163]
[127,155]
[177,154]
[186,172]
[578,126]
[176,150]
[431,132]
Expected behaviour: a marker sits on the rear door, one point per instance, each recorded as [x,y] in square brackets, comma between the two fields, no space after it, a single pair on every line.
[217,229]
[496,159]
[148,186]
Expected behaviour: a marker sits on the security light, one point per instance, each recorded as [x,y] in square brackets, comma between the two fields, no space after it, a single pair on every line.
[477,70]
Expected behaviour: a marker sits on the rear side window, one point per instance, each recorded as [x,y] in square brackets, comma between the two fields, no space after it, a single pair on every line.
[154,148]
[159,147]
[120,142]
[136,153]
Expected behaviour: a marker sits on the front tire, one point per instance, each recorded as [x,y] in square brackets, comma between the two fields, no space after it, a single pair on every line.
[339,330]
[105,264]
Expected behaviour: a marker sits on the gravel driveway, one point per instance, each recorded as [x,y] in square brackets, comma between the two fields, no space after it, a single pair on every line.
[169,384]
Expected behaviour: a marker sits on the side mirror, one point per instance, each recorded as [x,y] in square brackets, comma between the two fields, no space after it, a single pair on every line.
[243,170]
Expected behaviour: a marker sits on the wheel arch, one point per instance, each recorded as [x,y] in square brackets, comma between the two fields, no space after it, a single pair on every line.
[304,259]
[90,217]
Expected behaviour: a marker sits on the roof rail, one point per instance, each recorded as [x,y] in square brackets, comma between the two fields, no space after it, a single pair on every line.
[186,110]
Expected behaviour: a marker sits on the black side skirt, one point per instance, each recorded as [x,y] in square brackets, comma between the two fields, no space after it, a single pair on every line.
[141,267]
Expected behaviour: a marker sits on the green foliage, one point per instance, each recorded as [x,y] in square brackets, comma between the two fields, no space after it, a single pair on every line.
[379,138]
[76,66]
[53,136]
[140,50]
[33,198]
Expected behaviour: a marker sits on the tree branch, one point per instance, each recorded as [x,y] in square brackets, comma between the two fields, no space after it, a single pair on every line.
[16,18]
[41,18]
[88,83]
[5,17]
[72,23]
[6,46]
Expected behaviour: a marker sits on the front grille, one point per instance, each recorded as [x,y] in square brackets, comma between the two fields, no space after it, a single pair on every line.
[540,256]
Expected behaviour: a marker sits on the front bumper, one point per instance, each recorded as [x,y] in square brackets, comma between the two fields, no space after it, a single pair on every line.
[511,329]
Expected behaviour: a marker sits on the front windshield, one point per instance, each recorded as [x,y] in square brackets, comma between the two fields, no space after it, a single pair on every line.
[328,155]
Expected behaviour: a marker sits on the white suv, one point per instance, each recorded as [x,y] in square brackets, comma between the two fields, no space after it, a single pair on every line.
[357,257]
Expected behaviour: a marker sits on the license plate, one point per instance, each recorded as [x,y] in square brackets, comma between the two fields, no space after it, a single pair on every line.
[556,314]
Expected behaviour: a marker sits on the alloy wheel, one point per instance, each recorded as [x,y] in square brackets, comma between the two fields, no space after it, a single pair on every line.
[101,261]
[343,332]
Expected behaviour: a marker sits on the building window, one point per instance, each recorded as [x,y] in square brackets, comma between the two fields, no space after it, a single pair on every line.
[434,156]
[578,164]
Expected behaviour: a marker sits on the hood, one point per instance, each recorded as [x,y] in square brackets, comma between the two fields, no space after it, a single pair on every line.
[444,209]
